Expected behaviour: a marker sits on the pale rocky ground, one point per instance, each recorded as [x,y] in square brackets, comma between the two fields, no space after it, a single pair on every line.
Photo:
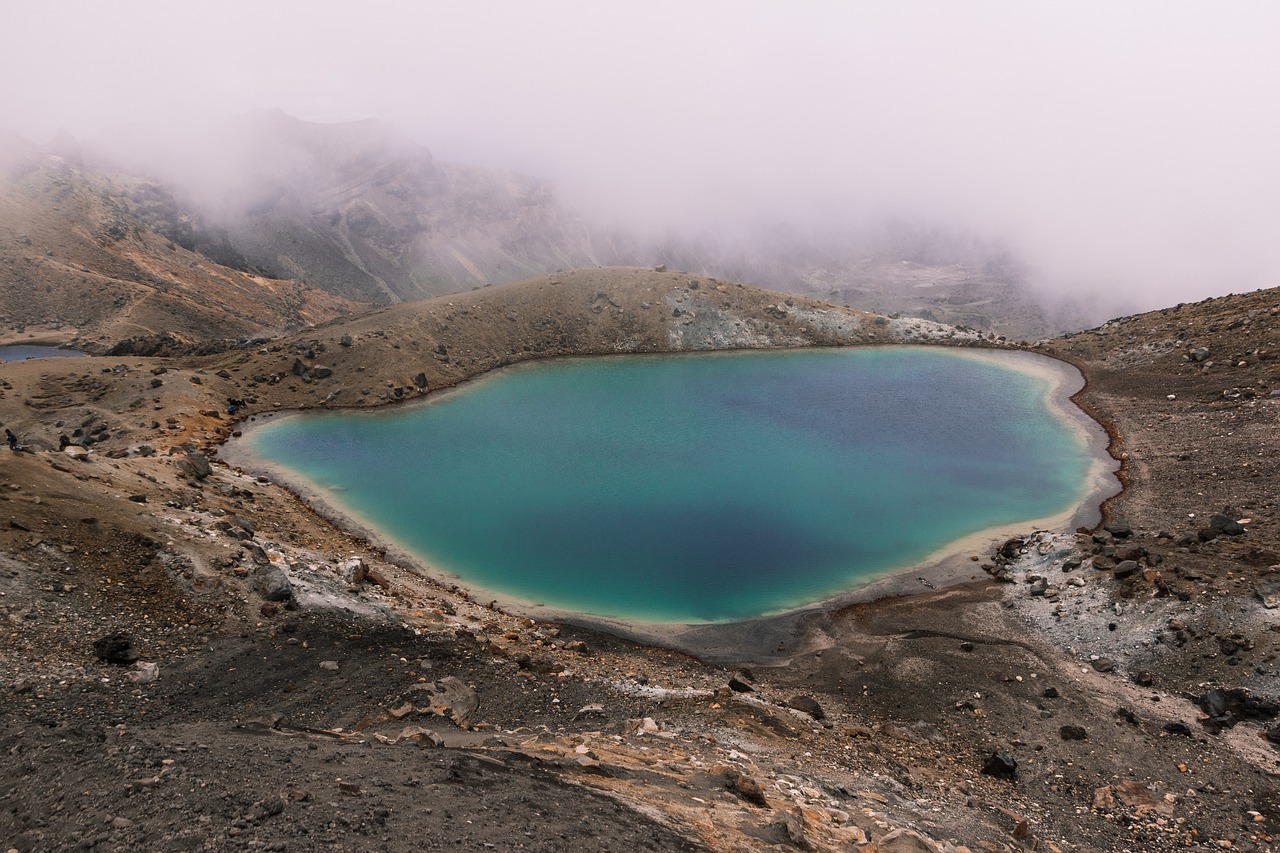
[307,722]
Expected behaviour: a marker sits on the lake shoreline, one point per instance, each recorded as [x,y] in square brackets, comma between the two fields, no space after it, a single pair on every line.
[769,638]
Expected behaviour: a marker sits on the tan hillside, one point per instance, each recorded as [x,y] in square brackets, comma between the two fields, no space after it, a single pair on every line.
[578,312]
[76,266]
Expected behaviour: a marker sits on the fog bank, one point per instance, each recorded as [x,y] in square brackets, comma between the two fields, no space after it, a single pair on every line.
[1126,150]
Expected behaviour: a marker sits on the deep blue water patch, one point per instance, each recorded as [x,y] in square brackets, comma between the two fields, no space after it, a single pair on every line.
[20,352]
[696,488]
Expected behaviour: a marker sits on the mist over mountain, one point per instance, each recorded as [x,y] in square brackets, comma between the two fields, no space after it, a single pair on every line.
[1121,154]
[362,211]
[80,258]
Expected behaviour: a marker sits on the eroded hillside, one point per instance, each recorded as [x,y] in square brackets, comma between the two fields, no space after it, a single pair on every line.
[77,266]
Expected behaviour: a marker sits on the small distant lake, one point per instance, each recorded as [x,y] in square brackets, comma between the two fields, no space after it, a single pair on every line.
[21,352]
[699,487]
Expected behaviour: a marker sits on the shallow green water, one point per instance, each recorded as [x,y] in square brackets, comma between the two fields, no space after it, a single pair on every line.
[690,488]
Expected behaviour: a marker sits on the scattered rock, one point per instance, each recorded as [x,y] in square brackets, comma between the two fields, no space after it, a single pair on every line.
[1125,568]
[1135,795]
[422,737]
[544,664]
[902,840]
[1103,664]
[195,465]
[1225,707]
[1073,733]
[352,570]
[793,829]
[116,648]
[448,698]
[807,705]
[143,673]
[1104,798]
[1119,529]
[1001,765]
[272,583]
[748,789]
[1225,524]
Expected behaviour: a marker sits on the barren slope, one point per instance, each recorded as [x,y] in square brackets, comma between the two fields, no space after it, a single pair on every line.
[290,723]
[76,266]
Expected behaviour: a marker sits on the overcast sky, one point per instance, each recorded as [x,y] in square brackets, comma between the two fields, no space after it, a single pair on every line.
[1118,145]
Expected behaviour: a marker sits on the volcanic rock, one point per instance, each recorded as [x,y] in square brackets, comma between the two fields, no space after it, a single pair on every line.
[1000,764]
[807,705]
[116,648]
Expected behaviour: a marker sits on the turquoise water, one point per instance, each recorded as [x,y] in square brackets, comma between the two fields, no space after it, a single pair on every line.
[19,352]
[701,487]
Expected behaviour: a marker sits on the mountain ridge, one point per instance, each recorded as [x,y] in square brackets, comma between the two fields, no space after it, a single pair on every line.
[362,211]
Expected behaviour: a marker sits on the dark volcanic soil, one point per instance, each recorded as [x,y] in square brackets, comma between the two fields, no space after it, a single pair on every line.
[1129,671]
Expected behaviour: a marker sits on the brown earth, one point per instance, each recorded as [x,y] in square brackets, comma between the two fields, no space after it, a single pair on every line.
[80,268]
[289,724]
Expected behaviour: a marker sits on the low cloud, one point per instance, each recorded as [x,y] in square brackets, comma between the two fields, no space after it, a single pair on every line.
[1125,150]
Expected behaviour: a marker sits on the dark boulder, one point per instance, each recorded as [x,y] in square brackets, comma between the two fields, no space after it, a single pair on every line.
[1226,525]
[1227,706]
[1001,765]
[116,648]
[195,465]
[1125,568]
[272,583]
[1011,548]
[1119,529]
[807,705]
